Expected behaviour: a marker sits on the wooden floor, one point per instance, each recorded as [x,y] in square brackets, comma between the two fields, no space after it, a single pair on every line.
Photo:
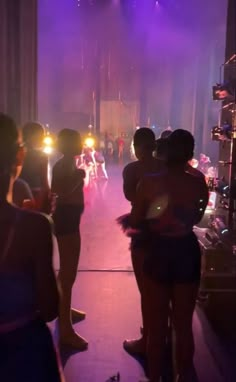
[105,288]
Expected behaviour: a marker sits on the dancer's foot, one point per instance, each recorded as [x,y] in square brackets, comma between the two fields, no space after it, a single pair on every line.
[137,347]
[74,340]
[77,315]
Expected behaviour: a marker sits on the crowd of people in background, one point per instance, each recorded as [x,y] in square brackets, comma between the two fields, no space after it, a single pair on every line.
[116,149]
[168,197]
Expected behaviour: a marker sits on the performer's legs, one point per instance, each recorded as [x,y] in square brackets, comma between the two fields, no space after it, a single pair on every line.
[104,171]
[69,251]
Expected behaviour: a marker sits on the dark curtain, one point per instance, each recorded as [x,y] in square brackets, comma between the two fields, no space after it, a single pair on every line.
[18,63]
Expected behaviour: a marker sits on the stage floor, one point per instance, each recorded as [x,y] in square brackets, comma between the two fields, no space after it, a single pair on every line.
[105,288]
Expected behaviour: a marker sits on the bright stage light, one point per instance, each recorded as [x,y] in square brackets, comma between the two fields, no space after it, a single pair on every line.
[48,150]
[48,141]
[48,144]
[89,142]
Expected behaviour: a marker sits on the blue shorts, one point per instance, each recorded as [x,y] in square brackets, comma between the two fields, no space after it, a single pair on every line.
[173,260]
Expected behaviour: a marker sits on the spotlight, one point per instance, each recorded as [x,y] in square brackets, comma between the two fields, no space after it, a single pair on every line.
[48,150]
[220,133]
[222,188]
[219,226]
[89,142]
[222,92]
[48,144]
[48,141]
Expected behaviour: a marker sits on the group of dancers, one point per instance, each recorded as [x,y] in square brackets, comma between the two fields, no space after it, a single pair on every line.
[167,200]
[93,163]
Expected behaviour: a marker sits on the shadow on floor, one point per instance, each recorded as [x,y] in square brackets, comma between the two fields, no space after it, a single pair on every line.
[168,370]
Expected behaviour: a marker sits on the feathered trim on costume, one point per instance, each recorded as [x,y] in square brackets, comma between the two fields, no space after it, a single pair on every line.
[124,222]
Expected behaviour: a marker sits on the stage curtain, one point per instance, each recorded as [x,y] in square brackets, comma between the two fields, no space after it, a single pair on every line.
[18,63]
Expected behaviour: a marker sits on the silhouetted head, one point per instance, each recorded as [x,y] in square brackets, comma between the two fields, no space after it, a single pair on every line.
[166,133]
[180,147]
[33,135]
[144,142]
[69,142]
[161,149]
[11,153]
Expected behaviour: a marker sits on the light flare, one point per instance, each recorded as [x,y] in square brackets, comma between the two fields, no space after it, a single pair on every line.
[89,142]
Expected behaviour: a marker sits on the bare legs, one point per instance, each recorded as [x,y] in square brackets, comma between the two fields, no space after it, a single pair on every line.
[183,298]
[139,345]
[103,169]
[158,300]
[137,257]
[69,251]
